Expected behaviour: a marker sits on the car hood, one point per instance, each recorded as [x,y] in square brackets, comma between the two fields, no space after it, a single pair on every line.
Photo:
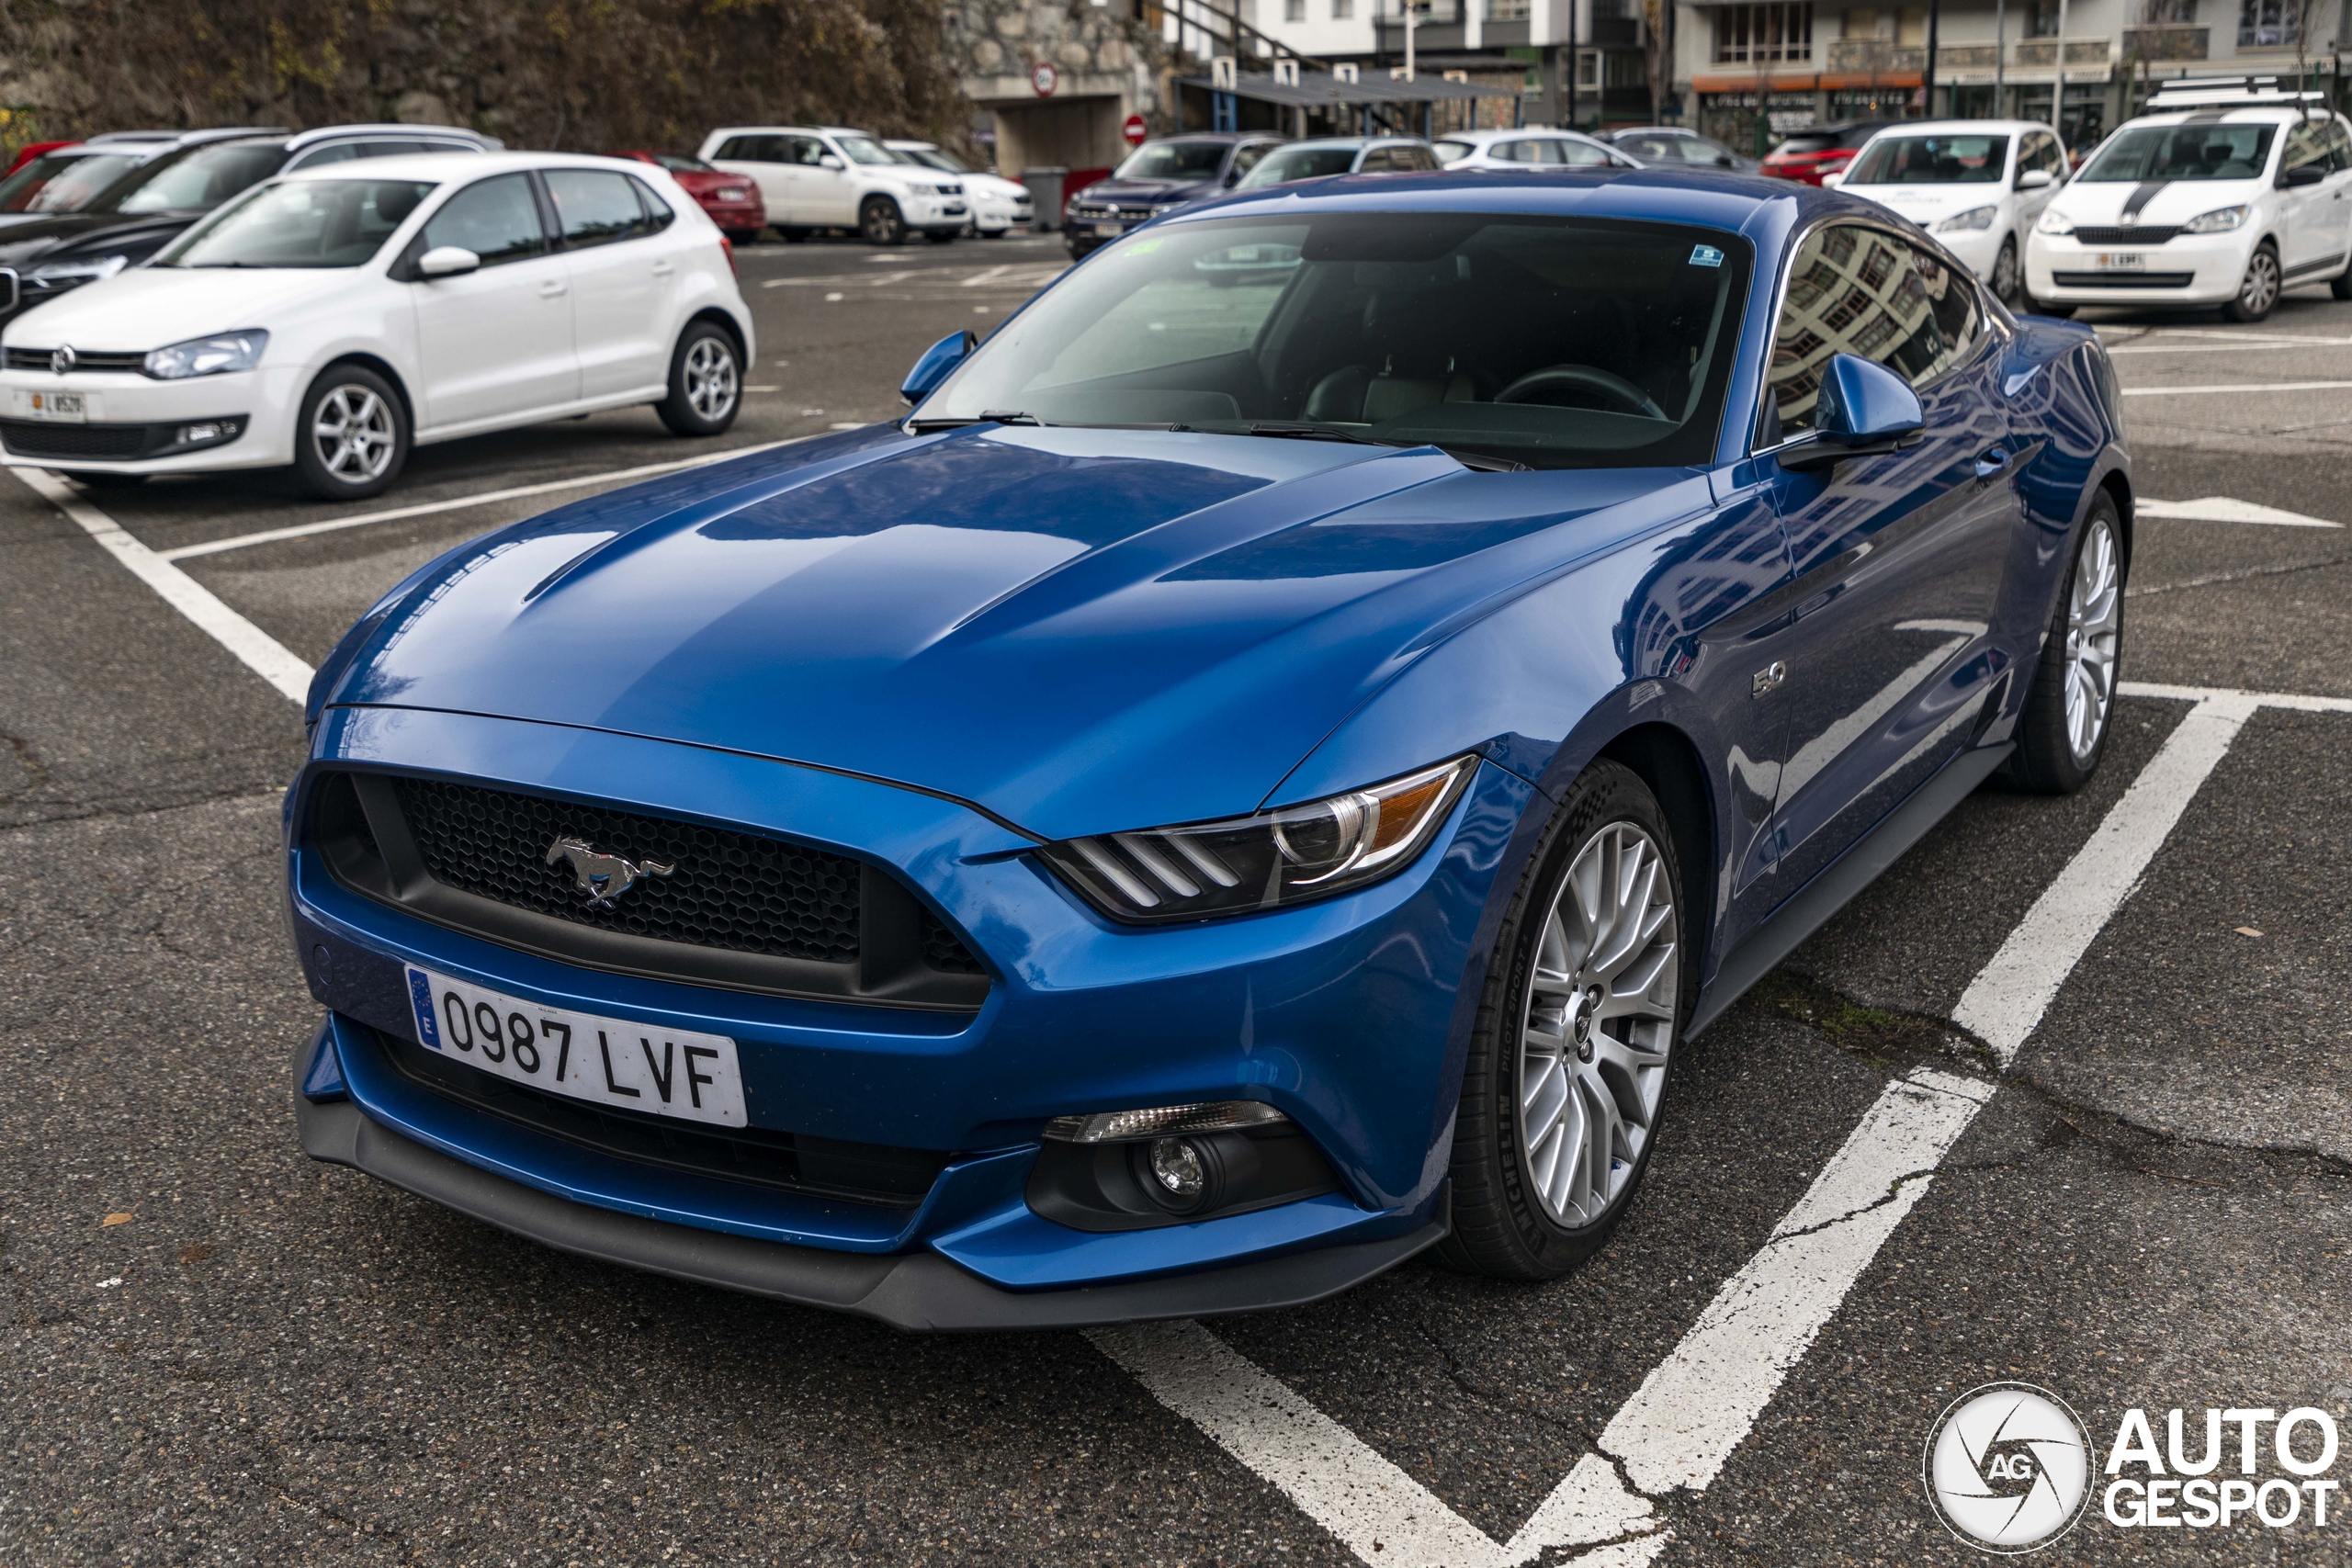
[1078,630]
[2152,204]
[1147,190]
[50,237]
[1924,202]
[148,307]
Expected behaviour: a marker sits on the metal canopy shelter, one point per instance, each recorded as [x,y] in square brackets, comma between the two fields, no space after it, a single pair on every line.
[1323,90]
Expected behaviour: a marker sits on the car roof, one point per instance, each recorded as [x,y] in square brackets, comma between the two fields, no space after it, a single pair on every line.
[2245,114]
[1962,127]
[1506,133]
[441,167]
[1708,198]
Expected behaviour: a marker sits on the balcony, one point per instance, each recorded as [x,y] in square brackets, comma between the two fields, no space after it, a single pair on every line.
[2170,40]
[2044,52]
[1877,56]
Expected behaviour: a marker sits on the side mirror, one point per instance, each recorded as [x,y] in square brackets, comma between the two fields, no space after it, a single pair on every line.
[1865,410]
[1831,181]
[448,261]
[2034,179]
[829,162]
[936,362]
[2301,175]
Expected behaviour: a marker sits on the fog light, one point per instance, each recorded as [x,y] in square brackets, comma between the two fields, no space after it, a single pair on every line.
[1176,1163]
[209,432]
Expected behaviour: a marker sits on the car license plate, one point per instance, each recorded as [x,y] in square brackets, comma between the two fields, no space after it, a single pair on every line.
[1109,230]
[611,1061]
[730,195]
[2120,261]
[66,408]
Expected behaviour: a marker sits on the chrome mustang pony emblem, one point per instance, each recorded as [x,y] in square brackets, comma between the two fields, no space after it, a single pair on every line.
[601,878]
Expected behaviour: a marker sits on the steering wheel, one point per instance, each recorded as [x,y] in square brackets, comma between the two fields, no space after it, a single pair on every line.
[1589,377]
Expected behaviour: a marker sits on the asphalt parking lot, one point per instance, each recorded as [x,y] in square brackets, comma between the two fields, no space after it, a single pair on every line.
[1854,1215]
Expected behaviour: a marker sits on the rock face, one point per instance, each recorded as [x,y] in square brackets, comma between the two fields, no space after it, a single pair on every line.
[1107,62]
[575,74]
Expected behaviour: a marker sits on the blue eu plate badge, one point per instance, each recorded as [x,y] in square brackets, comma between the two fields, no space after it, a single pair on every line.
[1706,255]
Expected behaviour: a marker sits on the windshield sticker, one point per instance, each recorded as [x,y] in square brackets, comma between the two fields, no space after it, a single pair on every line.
[1706,255]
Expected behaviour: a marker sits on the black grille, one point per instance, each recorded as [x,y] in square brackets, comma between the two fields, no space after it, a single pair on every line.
[2153,235]
[736,892]
[37,438]
[868,1173]
[944,950]
[2124,279]
[84,359]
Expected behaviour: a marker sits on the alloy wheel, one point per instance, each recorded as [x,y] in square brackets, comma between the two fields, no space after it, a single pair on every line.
[710,378]
[2006,285]
[2094,626]
[354,435]
[2261,289]
[1599,1024]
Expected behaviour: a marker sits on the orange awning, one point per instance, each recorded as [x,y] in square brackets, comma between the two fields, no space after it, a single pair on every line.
[1790,82]
[1867,79]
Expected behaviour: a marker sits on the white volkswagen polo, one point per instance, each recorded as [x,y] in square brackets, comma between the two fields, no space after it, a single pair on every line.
[2224,194]
[334,318]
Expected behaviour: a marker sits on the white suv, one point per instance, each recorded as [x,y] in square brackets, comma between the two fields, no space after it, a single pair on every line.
[829,176]
[2225,194]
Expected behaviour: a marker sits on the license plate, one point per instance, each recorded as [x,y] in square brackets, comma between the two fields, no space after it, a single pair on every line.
[2120,261]
[66,408]
[611,1061]
[1109,230]
[731,195]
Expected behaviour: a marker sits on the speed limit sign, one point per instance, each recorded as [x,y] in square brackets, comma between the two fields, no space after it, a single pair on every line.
[1045,78]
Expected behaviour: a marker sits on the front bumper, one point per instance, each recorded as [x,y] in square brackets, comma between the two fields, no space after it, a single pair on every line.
[2201,269]
[131,420]
[1343,1014]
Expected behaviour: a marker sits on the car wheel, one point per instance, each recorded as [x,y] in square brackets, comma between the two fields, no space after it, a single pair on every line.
[2063,728]
[1568,1058]
[943,236]
[99,479]
[2009,278]
[351,434]
[2341,284]
[880,223]
[2259,291]
[792,236]
[706,382]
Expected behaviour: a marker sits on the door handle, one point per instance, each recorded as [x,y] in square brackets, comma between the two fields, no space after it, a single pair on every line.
[664,268]
[550,289]
[1991,461]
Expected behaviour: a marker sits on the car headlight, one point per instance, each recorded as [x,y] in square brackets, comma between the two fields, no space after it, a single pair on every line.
[2053,222]
[1165,206]
[1271,860]
[207,356]
[2219,221]
[79,270]
[1974,218]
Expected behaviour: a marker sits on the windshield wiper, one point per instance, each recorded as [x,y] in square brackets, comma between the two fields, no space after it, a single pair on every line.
[989,416]
[1290,431]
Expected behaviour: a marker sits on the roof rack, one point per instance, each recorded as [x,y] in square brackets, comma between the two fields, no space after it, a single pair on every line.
[2236,91]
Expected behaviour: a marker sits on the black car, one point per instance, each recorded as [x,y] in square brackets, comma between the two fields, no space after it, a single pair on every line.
[1157,177]
[138,215]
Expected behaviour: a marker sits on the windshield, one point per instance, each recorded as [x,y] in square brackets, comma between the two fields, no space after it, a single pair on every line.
[679,164]
[1931,161]
[196,181]
[302,223]
[1289,164]
[2140,152]
[1552,341]
[1172,161]
[865,150]
[931,157]
[64,182]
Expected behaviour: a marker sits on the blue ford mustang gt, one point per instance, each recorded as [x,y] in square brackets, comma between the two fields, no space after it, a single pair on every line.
[1255,777]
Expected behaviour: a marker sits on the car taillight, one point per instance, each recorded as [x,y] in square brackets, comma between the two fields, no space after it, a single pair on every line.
[727,249]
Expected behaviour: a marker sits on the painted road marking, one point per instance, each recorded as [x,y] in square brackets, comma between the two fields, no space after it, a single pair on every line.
[260,652]
[2227,509]
[426,509]
[2236,389]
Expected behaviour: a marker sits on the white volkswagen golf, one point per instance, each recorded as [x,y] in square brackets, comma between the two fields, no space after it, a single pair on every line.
[2224,194]
[334,318]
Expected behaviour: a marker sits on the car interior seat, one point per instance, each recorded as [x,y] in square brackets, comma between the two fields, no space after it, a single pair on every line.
[1412,364]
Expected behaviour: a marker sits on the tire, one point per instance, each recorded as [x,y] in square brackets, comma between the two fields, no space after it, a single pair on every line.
[880,223]
[2063,732]
[351,434]
[2008,274]
[792,236]
[743,236]
[943,236]
[2258,291]
[1524,1207]
[99,479]
[706,381]
[2341,284]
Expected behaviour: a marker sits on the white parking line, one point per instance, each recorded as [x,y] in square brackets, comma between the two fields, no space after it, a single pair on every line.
[1697,1406]
[2236,389]
[2227,509]
[427,508]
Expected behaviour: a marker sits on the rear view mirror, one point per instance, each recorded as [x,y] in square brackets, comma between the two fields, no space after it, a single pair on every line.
[1831,181]
[937,361]
[1865,410]
[2034,179]
[829,162]
[448,261]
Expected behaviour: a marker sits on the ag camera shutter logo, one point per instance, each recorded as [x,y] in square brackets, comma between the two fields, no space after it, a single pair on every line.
[2007,1468]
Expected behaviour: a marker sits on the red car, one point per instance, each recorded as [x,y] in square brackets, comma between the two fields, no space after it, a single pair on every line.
[1820,150]
[32,149]
[733,202]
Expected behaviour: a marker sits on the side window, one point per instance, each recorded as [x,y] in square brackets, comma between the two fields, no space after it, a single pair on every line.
[1424,159]
[804,150]
[497,220]
[1577,155]
[332,153]
[595,207]
[2339,147]
[658,213]
[2305,144]
[1247,158]
[735,148]
[1517,152]
[1861,291]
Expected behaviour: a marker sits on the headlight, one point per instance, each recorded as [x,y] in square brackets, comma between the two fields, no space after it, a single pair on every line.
[2053,222]
[1165,206]
[1974,218]
[2219,221]
[207,356]
[78,271]
[1275,858]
